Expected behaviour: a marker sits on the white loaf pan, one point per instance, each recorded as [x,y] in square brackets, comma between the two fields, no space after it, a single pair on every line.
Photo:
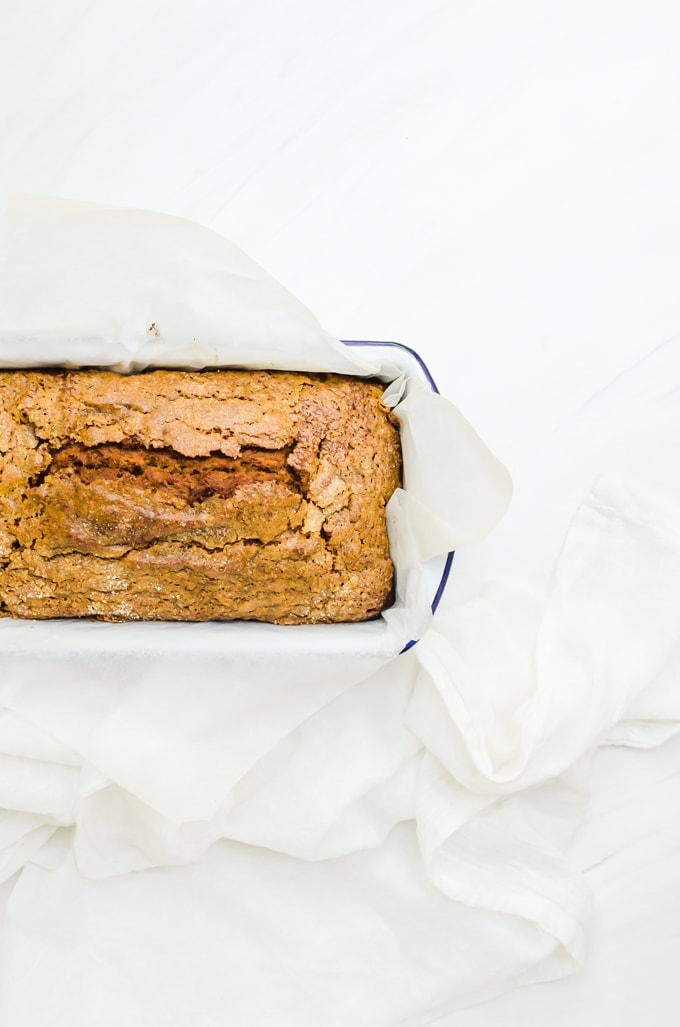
[27,641]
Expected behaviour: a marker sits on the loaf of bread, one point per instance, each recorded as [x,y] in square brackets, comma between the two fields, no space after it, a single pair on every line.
[207,495]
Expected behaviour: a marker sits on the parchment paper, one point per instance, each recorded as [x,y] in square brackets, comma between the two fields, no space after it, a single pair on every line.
[90,285]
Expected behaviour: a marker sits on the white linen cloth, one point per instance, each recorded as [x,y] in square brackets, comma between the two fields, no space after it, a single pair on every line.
[395,855]
[528,155]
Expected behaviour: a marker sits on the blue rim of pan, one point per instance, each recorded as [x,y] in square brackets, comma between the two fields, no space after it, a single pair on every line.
[433,385]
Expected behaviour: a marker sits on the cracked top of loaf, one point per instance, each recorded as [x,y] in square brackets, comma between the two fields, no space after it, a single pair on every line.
[206,495]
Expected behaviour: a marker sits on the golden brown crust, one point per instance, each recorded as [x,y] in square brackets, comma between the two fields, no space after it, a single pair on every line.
[208,495]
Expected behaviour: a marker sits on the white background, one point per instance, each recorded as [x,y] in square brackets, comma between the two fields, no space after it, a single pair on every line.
[494,184]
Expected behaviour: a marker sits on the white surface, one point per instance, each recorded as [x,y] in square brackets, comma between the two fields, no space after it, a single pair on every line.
[494,185]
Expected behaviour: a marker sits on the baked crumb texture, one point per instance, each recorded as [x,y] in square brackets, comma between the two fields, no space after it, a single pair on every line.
[211,495]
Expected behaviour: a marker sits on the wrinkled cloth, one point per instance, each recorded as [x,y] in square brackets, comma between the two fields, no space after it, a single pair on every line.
[397,853]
